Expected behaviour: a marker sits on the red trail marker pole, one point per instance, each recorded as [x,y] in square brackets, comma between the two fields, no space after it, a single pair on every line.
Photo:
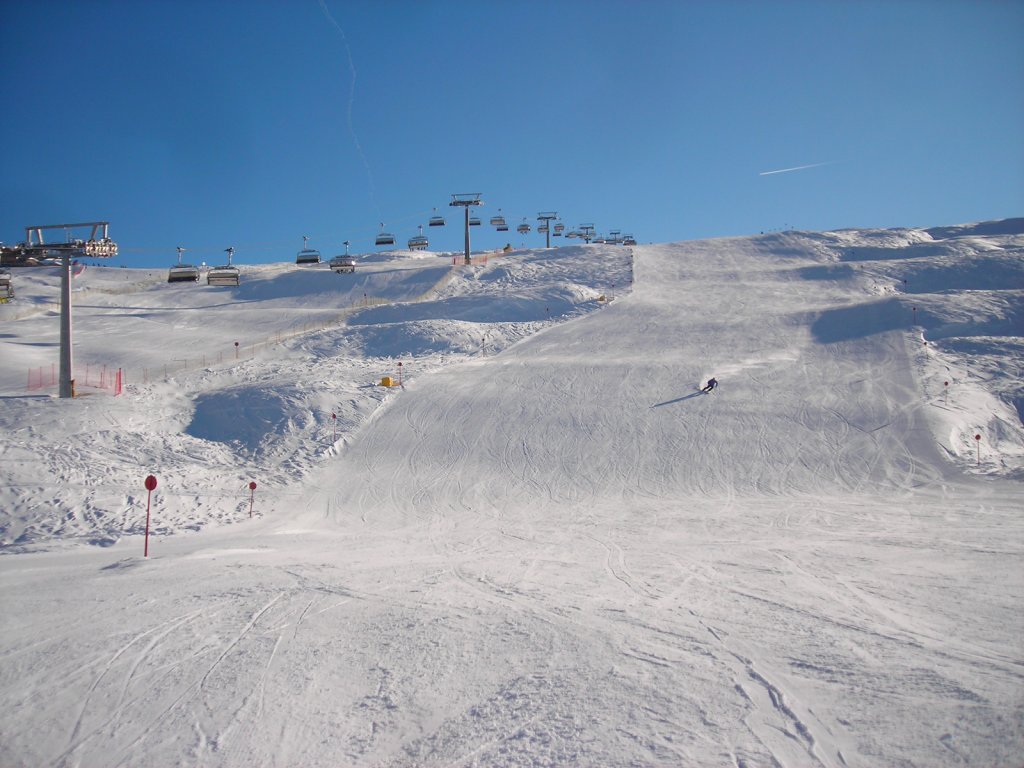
[334,419]
[252,495]
[977,440]
[150,487]
[399,373]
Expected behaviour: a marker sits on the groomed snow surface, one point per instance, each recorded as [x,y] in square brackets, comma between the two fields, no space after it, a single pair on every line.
[545,548]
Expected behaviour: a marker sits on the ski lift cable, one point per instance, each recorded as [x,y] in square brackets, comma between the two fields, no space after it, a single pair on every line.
[421,215]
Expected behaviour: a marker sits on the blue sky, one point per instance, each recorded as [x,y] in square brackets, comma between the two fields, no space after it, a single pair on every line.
[207,124]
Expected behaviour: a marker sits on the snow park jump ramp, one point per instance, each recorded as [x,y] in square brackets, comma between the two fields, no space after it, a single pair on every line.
[561,553]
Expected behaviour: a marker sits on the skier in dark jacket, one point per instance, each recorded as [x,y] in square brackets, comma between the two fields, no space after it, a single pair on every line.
[712,383]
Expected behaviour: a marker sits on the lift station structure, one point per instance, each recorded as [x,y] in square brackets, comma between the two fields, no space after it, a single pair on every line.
[36,250]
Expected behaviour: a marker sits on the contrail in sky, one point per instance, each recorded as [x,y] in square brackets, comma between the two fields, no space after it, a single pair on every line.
[797,168]
[351,101]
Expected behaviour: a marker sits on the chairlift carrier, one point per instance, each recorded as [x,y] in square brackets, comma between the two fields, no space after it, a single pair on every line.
[6,286]
[418,242]
[183,273]
[225,274]
[343,262]
[384,238]
[307,255]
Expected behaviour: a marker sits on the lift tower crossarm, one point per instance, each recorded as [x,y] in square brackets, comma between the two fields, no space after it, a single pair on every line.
[38,230]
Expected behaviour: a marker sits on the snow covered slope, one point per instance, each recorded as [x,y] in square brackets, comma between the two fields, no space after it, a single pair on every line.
[546,547]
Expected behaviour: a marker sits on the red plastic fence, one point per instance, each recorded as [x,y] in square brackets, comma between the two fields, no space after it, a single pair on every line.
[100,377]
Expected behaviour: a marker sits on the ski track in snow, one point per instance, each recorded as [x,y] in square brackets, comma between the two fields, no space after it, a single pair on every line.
[546,547]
